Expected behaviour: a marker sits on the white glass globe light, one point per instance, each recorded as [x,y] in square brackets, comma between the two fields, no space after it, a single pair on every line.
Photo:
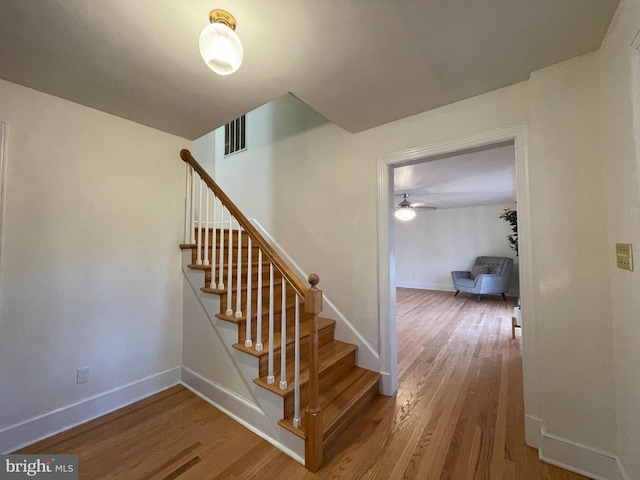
[221,48]
[405,213]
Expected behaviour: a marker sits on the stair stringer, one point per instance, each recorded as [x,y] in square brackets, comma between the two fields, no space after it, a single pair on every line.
[223,375]
[366,356]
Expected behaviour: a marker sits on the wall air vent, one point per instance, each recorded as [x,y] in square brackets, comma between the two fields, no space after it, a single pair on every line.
[235,136]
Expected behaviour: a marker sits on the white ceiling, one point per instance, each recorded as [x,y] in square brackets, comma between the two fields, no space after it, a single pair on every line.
[485,176]
[359,63]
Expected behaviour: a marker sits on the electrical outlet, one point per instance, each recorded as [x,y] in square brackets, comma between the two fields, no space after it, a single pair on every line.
[624,256]
[82,375]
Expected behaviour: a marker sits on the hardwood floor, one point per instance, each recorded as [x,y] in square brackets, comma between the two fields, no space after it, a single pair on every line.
[458,415]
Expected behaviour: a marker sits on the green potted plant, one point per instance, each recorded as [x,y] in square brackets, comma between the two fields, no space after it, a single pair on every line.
[511,217]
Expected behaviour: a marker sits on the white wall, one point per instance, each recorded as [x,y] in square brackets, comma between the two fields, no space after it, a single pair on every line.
[314,187]
[91,272]
[300,172]
[571,263]
[620,83]
[204,150]
[436,242]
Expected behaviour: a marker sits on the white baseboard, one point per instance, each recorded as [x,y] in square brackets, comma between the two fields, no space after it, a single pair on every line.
[573,456]
[239,408]
[533,431]
[426,286]
[581,459]
[442,287]
[38,428]
[232,404]
[386,384]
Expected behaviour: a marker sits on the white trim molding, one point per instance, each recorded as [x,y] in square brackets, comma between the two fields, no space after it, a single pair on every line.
[3,167]
[242,411]
[581,459]
[426,286]
[56,421]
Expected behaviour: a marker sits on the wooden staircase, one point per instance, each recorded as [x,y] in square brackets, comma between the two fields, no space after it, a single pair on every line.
[344,389]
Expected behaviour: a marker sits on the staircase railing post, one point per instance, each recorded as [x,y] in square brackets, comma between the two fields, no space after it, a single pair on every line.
[313,413]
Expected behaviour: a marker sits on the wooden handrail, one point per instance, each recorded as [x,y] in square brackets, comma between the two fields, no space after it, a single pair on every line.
[313,306]
[297,284]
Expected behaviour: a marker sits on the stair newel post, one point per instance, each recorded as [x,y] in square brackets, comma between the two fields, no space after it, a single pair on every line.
[187,205]
[313,414]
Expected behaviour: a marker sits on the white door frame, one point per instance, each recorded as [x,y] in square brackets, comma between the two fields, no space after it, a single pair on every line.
[386,247]
[2,187]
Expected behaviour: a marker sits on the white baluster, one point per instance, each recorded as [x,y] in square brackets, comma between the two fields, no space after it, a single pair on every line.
[229,311]
[270,376]
[199,245]
[213,246]
[193,210]
[187,205]
[205,261]
[259,305]
[239,276]
[248,342]
[221,262]
[283,337]
[296,368]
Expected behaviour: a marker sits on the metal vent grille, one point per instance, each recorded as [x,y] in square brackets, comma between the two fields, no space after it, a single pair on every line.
[235,136]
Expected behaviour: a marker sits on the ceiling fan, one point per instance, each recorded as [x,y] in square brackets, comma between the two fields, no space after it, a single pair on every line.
[406,210]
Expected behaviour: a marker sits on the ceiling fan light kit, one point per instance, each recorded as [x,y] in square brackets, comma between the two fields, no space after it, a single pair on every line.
[406,210]
[220,46]
[405,214]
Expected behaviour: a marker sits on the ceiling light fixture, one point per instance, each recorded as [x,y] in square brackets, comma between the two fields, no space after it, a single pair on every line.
[405,211]
[220,46]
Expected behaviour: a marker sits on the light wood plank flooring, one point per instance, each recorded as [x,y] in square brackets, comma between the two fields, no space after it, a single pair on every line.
[458,415]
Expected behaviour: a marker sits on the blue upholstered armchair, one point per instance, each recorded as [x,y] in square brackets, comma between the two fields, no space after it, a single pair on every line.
[489,275]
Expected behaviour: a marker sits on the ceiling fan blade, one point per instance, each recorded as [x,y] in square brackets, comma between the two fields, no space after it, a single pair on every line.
[423,205]
[414,205]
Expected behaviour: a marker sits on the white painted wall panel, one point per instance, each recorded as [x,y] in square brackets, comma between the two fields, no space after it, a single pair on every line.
[620,84]
[314,187]
[91,270]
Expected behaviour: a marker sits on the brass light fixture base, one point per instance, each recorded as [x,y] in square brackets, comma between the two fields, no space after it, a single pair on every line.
[222,16]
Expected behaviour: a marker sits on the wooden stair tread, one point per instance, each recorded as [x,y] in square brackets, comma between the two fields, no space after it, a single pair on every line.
[331,353]
[234,268]
[265,314]
[305,327]
[254,288]
[338,400]
[345,389]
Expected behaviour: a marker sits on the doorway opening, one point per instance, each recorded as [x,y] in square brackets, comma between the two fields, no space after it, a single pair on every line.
[457,202]
[515,135]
